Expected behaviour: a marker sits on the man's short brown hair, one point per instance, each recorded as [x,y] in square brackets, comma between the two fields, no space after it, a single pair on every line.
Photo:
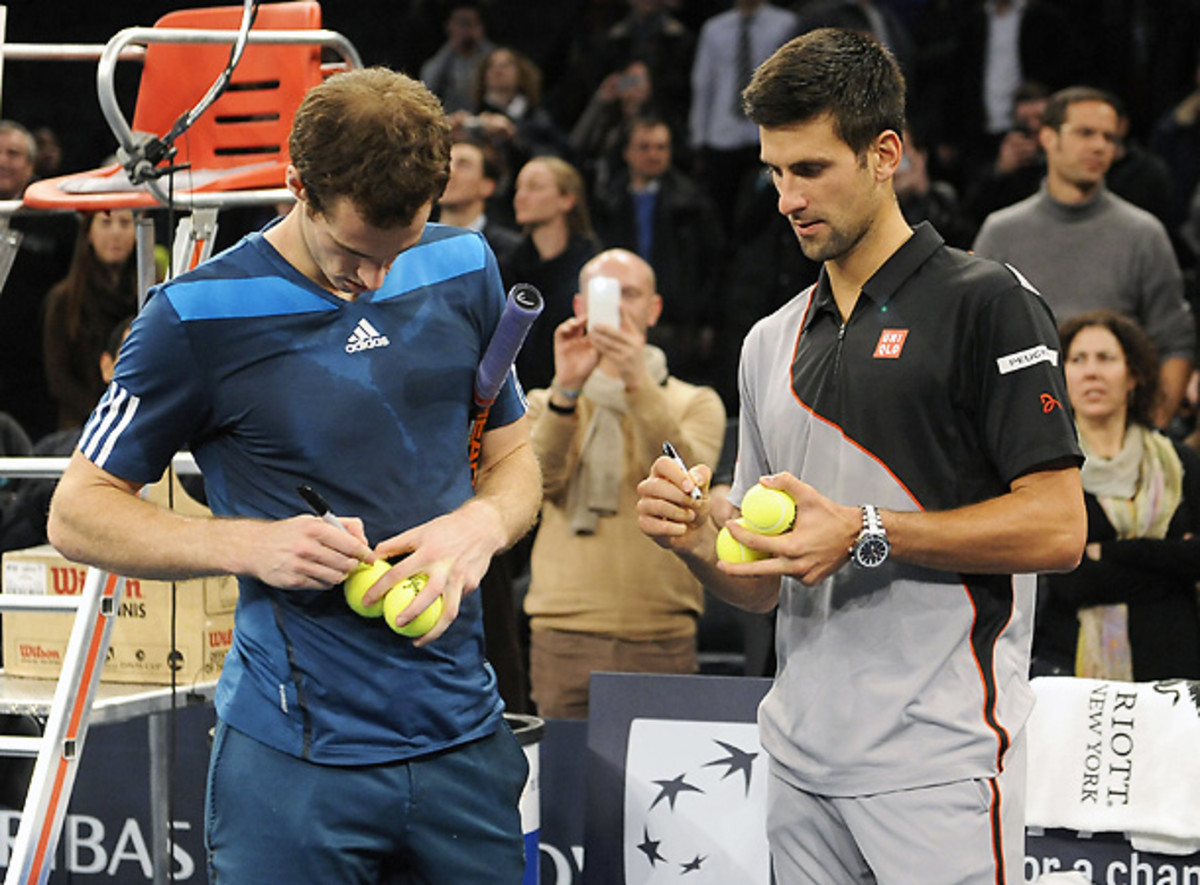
[375,136]
[1057,105]
[848,75]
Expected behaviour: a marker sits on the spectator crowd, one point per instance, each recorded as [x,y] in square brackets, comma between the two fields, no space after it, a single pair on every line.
[1059,136]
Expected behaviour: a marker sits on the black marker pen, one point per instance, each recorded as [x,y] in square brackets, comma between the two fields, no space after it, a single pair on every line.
[320,506]
[669,451]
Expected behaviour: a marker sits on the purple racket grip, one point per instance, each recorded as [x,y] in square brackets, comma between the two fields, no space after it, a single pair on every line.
[523,306]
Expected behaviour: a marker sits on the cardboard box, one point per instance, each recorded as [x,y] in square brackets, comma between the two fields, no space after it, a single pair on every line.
[35,643]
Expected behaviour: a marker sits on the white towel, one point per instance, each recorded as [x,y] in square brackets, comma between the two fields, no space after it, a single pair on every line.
[1117,757]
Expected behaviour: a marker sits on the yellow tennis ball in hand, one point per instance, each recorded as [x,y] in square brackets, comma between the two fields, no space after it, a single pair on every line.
[730,549]
[360,581]
[768,511]
[398,599]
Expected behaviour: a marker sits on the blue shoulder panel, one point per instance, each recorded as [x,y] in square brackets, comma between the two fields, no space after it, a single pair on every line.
[222,299]
[433,262]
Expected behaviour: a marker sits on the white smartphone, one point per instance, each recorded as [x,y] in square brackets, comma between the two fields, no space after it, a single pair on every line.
[604,302]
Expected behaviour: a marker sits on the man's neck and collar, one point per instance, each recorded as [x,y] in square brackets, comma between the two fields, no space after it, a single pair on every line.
[337,249]
[1070,193]
[641,183]
[470,51]
[285,238]
[848,273]
[466,215]
[1056,210]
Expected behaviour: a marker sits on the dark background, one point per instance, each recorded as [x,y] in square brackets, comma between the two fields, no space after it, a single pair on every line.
[401,35]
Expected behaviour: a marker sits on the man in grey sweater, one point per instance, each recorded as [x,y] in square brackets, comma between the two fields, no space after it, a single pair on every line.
[1085,248]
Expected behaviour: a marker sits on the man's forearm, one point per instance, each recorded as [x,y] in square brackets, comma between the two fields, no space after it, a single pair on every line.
[1039,526]
[551,435]
[98,519]
[100,524]
[752,593]
[512,488]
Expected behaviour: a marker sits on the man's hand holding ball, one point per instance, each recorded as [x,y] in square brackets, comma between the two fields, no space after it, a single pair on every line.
[765,512]
[366,575]
[396,600]
[359,581]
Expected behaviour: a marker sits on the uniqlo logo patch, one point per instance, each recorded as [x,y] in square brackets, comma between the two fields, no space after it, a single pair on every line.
[891,342]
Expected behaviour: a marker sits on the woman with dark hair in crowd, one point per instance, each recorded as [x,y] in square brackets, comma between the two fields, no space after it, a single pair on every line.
[509,110]
[1129,611]
[100,289]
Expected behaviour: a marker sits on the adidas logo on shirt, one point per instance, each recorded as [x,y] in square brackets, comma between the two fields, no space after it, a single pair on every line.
[365,337]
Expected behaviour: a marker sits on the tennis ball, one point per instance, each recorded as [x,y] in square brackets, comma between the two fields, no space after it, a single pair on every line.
[360,581]
[730,549]
[397,600]
[768,511]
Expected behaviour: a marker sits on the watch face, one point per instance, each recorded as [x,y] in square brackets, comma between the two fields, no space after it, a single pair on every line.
[872,551]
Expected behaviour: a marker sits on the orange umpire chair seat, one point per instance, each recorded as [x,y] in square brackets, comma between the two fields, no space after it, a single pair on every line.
[239,143]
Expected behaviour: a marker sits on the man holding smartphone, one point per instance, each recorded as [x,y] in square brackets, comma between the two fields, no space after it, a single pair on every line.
[602,596]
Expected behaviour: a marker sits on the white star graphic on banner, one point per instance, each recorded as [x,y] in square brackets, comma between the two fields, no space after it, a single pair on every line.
[684,813]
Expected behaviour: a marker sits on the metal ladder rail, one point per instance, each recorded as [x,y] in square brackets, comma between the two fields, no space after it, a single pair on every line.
[60,747]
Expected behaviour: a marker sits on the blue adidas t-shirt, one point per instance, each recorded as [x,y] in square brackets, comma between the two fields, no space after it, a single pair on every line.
[271,382]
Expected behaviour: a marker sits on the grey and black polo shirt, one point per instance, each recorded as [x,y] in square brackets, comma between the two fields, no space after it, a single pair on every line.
[943,387]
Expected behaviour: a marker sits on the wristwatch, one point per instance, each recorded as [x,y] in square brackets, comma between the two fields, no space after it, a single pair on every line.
[872,547]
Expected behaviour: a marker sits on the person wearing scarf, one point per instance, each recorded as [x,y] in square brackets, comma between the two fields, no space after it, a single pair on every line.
[602,596]
[1129,611]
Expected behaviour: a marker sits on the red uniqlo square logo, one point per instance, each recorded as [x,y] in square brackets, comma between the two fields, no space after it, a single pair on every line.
[891,342]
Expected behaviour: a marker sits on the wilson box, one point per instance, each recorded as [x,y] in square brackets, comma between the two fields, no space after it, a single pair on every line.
[35,643]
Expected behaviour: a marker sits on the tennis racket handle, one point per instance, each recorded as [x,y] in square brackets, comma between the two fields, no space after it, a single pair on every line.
[523,305]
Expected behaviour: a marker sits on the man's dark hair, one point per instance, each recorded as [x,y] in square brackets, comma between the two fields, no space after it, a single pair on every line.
[643,121]
[1029,90]
[849,75]
[494,167]
[375,136]
[476,6]
[1055,113]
